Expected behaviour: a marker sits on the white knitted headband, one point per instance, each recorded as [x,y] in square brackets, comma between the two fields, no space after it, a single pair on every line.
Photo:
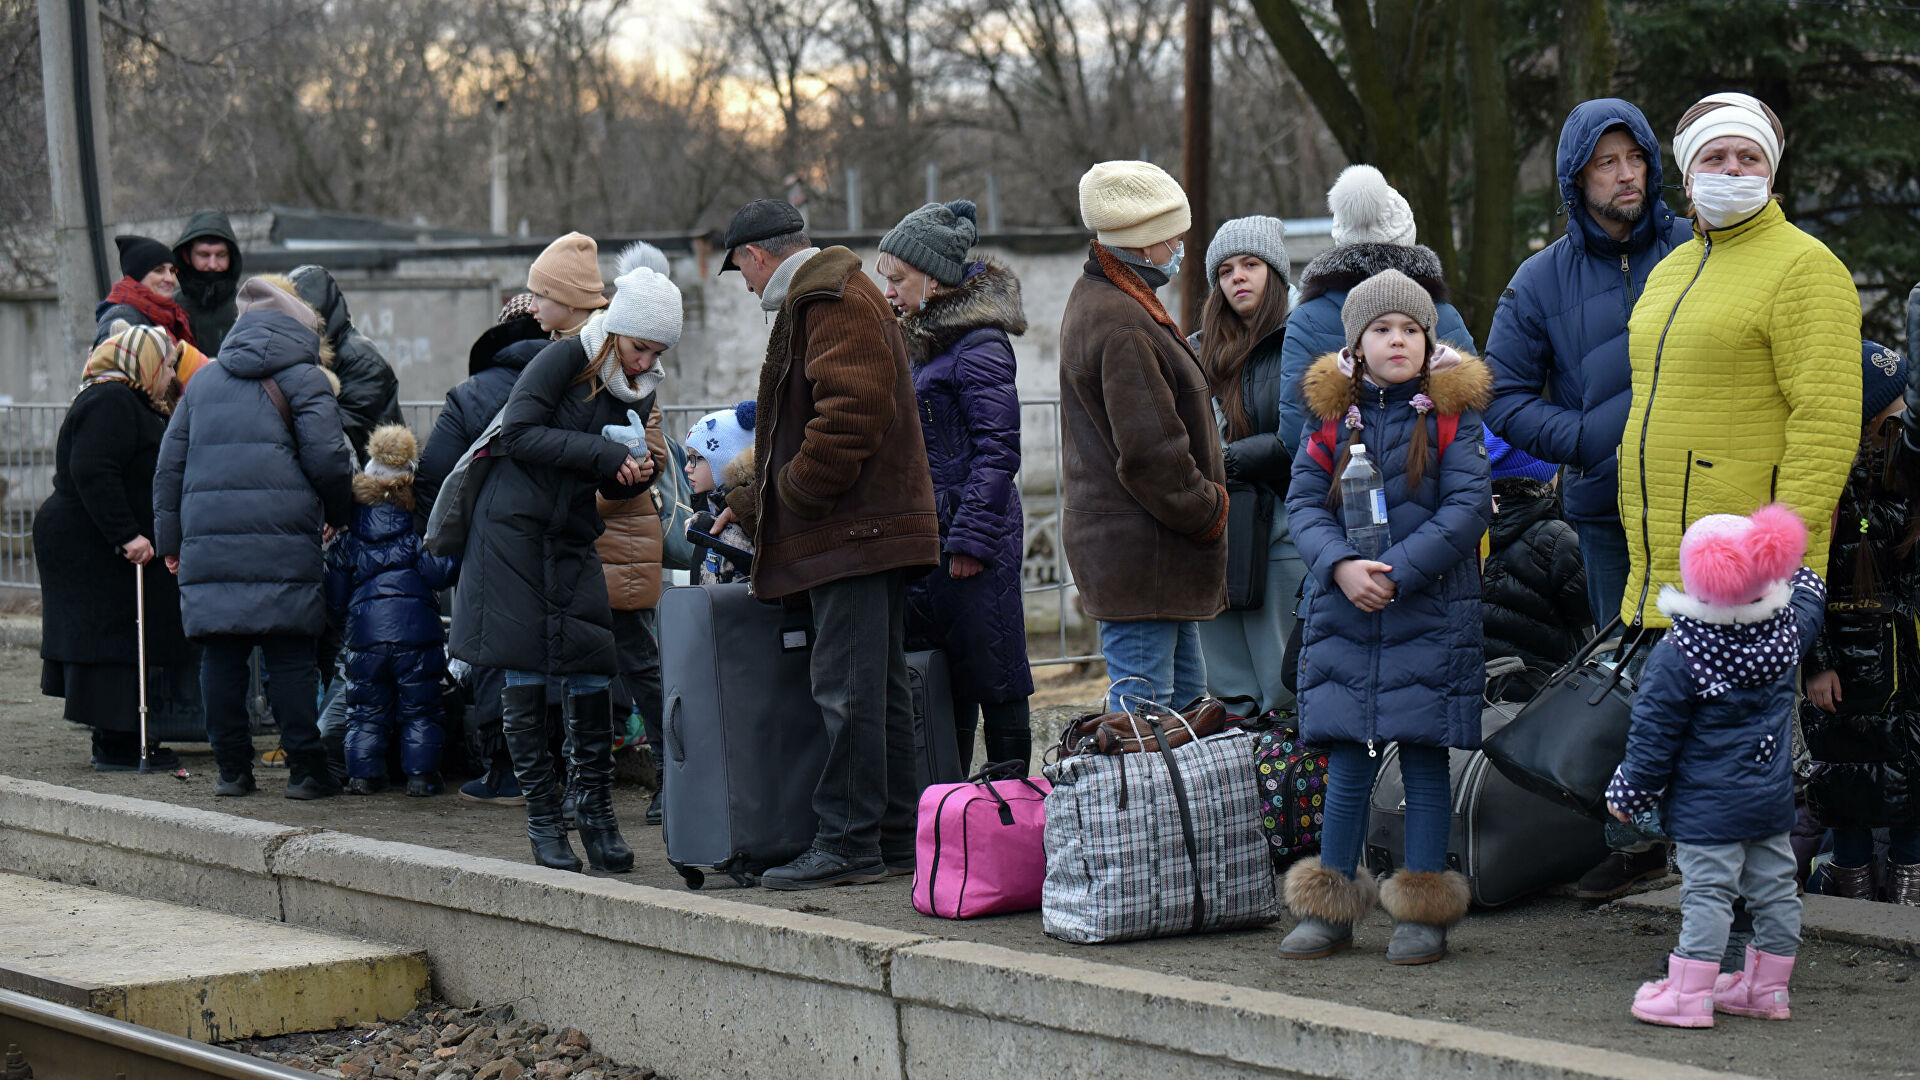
[1739,114]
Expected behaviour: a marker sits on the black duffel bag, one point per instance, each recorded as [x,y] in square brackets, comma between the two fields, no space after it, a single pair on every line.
[1566,742]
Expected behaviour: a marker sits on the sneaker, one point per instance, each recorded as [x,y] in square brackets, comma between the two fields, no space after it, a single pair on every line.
[816,869]
[312,787]
[422,785]
[1620,871]
[498,788]
[359,785]
[274,759]
[234,786]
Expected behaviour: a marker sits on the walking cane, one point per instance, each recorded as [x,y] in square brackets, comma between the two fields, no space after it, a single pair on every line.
[140,635]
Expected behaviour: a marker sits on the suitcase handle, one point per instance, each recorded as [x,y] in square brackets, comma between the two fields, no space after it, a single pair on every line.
[676,743]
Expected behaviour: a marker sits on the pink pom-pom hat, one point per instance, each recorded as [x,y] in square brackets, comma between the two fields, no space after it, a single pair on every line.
[1728,560]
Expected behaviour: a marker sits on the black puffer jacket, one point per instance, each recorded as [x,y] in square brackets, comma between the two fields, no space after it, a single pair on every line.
[240,497]
[1259,467]
[369,392]
[1867,754]
[532,597]
[1533,586]
[493,366]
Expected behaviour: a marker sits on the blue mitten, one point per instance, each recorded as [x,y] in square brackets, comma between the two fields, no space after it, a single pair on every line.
[632,433]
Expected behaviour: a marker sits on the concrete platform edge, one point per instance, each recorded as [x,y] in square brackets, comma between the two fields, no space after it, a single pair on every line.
[901,1006]
[1894,928]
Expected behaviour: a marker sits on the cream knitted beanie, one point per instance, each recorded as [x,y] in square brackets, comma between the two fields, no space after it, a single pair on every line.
[1133,204]
[645,305]
[568,272]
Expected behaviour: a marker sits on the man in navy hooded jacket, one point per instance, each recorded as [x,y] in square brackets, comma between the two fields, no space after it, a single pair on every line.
[1558,349]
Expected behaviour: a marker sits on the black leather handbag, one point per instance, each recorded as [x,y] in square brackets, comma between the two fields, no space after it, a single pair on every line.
[1566,742]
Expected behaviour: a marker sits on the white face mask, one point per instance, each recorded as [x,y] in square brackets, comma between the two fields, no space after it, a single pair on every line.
[1724,200]
[1172,266]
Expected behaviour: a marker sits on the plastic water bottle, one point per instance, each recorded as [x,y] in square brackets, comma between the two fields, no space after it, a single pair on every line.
[1363,505]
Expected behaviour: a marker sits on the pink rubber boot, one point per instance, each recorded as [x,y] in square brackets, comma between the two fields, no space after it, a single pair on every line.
[1760,991]
[1683,999]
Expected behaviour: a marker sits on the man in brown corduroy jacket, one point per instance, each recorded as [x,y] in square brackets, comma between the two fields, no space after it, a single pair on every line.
[842,512]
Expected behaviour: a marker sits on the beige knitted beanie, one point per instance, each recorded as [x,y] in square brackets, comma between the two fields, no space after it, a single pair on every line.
[568,272]
[1133,204]
[1383,293]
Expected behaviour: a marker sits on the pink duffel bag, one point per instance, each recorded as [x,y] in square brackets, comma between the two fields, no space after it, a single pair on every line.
[981,848]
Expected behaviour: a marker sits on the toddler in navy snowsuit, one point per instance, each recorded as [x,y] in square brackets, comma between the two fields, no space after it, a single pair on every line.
[383,579]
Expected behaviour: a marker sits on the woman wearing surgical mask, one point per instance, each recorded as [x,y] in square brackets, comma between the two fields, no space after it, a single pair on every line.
[1745,349]
[956,314]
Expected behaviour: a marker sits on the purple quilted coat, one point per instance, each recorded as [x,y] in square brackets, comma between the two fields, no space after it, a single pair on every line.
[963,375]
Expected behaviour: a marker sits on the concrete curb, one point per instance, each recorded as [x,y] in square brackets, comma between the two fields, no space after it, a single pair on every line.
[1892,927]
[729,989]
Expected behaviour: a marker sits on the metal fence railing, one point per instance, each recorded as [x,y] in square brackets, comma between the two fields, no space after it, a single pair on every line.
[29,433]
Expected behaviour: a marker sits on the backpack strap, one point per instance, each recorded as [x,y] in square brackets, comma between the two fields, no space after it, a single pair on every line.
[1449,426]
[279,399]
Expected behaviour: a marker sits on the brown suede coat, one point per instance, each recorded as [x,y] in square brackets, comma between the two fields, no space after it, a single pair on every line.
[1146,506]
[843,488]
[630,548]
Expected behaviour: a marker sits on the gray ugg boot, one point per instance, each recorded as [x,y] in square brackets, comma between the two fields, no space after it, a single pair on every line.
[1328,903]
[1423,904]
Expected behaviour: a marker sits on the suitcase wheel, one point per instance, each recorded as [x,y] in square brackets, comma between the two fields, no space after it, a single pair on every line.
[692,877]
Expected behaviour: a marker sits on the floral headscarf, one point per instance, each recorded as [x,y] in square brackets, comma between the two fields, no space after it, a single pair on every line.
[142,356]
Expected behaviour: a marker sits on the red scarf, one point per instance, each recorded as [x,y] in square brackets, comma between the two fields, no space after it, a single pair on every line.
[159,310]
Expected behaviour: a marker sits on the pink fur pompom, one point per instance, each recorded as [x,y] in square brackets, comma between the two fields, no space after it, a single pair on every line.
[1777,543]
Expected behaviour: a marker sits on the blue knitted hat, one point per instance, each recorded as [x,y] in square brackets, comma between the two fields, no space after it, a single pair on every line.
[1883,376]
[1507,461]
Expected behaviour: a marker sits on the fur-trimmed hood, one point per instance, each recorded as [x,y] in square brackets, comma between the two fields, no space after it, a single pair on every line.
[1342,267]
[987,298]
[1462,382]
[397,490]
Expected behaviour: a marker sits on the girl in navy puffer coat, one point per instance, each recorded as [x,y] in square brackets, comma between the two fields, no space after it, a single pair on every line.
[1391,649]
[380,575]
[1709,759]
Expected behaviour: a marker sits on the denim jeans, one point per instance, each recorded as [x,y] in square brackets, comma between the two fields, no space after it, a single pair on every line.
[1429,788]
[866,799]
[1603,548]
[1164,654]
[576,684]
[293,688]
[1714,876]
[1853,845]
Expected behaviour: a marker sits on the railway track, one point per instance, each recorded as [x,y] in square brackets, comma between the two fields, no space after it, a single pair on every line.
[59,1042]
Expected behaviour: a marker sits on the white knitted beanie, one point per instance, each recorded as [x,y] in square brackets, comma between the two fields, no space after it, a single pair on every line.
[1133,204]
[1727,113]
[1367,210]
[645,305]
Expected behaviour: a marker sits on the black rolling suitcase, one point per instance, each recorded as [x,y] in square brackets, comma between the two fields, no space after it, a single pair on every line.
[1507,841]
[936,745]
[744,740]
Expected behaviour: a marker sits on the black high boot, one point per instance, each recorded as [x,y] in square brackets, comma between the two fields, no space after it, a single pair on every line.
[590,728]
[523,721]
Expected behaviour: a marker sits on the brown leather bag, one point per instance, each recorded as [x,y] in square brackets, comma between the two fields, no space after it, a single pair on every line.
[1124,733]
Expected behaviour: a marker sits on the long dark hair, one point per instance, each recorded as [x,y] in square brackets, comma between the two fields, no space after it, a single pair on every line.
[1416,446]
[1226,340]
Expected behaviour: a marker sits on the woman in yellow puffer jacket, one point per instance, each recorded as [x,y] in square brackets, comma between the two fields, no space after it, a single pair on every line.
[1745,349]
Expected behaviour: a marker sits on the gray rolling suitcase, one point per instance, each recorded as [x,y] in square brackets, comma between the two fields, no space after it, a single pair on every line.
[744,740]
[1507,841]
[936,744]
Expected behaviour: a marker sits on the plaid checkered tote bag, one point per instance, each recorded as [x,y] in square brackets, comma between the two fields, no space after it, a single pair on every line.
[1152,836]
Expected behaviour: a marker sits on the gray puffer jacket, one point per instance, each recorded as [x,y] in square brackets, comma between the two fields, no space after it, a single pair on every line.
[240,497]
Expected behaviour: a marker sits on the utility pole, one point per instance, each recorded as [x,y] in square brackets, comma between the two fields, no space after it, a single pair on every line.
[1195,151]
[497,220]
[76,105]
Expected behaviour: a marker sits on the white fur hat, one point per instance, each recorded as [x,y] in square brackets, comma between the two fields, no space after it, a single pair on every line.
[1366,209]
[645,305]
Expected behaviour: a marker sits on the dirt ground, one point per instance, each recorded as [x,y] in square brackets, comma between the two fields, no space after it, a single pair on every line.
[1552,968]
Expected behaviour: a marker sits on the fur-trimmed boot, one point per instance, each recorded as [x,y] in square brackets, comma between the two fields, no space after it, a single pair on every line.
[1423,903]
[1759,991]
[1328,903]
[1683,999]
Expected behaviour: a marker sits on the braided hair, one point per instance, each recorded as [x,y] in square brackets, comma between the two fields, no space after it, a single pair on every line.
[1416,447]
